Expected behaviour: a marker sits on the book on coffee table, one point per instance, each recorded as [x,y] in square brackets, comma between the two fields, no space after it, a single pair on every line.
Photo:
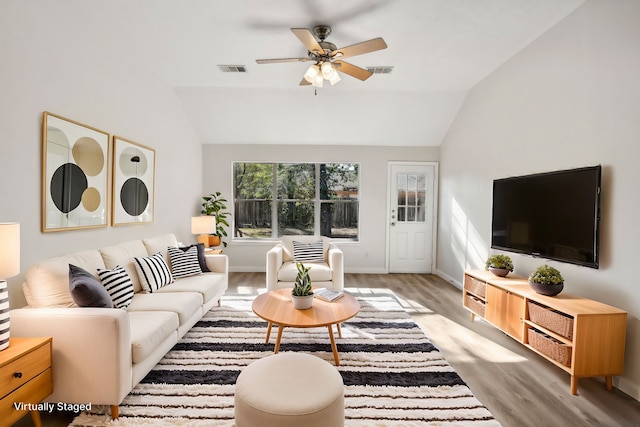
[327,294]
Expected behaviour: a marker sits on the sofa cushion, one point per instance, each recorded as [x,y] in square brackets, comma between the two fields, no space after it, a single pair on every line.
[123,255]
[48,280]
[148,330]
[118,284]
[153,272]
[318,272]
[160,244]
[184,304]
[86,290]
[184,262]
[209,285]
[308,252]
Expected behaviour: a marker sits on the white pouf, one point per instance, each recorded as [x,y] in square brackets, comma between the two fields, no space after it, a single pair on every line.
[287,390]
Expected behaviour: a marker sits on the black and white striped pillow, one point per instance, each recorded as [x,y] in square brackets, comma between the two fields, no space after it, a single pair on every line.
[184,262]
[308,252]
[153,272]
[119,286]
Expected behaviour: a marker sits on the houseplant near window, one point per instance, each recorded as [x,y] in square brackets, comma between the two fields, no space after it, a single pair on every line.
[302,294]
[546,280]
[215,204]
[499,264]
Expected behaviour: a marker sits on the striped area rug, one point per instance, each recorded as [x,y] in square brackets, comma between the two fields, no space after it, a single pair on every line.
[393,375]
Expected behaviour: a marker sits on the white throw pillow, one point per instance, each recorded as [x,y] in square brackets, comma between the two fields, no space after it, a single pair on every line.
[119,286]
[184,262]
[308,252]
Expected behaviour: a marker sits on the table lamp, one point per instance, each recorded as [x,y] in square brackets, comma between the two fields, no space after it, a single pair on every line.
[9,267]
[203,225]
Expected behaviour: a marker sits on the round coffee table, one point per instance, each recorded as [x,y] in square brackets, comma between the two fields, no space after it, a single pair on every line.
[276,308]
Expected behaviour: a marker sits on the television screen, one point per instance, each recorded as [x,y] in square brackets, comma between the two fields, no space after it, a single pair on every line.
[553,215]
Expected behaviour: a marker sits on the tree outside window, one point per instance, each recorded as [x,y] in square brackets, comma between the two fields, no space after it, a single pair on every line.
[276,199]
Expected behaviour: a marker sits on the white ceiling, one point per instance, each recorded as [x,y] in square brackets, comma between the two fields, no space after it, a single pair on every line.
[439,50]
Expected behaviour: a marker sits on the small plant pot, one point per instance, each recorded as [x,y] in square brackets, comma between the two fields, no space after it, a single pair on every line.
[500,272]
[548,290]
[302,303]
[214,241]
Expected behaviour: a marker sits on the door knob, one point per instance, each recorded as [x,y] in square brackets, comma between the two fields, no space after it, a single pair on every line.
[393,224]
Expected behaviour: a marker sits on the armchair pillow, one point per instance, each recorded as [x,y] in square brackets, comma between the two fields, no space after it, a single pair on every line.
[153,272]
[184,262]
[119,286]
[86,290]
[308,252]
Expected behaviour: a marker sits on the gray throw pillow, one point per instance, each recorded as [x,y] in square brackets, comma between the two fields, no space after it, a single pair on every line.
[86,290]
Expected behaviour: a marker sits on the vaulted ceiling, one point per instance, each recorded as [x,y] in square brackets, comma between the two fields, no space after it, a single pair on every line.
[439,49]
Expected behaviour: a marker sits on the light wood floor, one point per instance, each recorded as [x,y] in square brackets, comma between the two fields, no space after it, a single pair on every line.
[520,388]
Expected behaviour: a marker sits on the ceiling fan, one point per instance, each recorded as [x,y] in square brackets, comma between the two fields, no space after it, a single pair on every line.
[327,58]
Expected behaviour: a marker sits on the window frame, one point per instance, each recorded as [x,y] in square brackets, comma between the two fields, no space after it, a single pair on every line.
[275,201]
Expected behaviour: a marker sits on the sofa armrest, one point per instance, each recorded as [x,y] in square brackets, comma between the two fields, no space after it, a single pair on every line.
[274,262]
[336,263]
[218,263]
[91,351]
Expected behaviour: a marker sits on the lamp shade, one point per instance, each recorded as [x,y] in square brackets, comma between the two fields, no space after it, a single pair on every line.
[9,249]
[203,224]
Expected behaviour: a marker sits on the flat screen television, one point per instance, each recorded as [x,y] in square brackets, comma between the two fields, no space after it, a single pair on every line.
[554,215]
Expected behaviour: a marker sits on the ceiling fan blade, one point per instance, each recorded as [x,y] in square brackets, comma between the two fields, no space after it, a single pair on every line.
[360,48]
[353,71]
[304,82]
[276,60]
[307,39]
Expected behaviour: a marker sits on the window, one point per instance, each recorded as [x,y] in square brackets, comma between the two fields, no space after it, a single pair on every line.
[276,199]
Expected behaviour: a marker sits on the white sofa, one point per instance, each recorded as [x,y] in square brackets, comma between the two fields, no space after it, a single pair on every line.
[100,354]
[282,271]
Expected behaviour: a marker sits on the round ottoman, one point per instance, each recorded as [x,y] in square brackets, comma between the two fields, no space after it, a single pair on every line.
[289,389]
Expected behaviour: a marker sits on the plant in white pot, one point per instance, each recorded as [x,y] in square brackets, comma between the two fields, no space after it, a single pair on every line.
[302,293]
[546,280]
[499,264]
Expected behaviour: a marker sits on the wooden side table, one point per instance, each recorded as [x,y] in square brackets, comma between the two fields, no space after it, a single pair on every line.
[25,378]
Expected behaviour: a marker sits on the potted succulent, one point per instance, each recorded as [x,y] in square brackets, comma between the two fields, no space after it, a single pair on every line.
[215,204]
[546,280]
[302,293]
[499,264]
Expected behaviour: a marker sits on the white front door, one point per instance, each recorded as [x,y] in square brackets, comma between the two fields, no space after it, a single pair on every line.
[412,205]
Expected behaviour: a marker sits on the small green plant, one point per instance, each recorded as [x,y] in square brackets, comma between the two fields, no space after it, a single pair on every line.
[302,285]
[499,261]
[215,204]
[546,275]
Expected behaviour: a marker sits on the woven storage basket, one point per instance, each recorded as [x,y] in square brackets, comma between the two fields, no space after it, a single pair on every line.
[553,320]
[550,347]
[474,304]
[475,286]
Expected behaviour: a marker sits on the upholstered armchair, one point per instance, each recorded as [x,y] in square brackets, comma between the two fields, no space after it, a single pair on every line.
[324,258]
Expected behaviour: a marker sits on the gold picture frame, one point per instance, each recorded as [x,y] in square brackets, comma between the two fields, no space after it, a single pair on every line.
[74,174]
[133,182]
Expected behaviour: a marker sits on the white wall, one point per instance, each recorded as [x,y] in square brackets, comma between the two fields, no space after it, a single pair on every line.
[50,62]
[365,256]
[570,99]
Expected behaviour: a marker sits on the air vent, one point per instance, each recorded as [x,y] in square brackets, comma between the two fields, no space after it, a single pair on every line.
[380,69]
[233,68]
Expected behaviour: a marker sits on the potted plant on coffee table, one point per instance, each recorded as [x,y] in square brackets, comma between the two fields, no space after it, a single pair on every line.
[302,293]
[215,204]
[546,280]
[499,264]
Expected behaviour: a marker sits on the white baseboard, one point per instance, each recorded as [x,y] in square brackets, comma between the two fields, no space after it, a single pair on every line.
[248,269]
[448,278]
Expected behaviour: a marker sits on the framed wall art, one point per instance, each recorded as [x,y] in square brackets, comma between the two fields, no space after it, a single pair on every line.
[74,174]
[133,182]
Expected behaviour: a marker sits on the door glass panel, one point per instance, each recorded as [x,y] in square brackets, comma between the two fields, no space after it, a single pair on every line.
[412,182]
[402,198]
[411,214]
[421,214]
[402,181]
[411,199]
[402,214]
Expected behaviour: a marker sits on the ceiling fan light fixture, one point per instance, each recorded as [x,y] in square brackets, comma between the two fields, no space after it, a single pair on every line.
[318,81]
[312,73]
[335,78]
[327,70]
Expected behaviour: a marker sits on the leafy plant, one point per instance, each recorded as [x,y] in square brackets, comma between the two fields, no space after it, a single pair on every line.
[546,275]
[215,204]
[302,285]
[499,261]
